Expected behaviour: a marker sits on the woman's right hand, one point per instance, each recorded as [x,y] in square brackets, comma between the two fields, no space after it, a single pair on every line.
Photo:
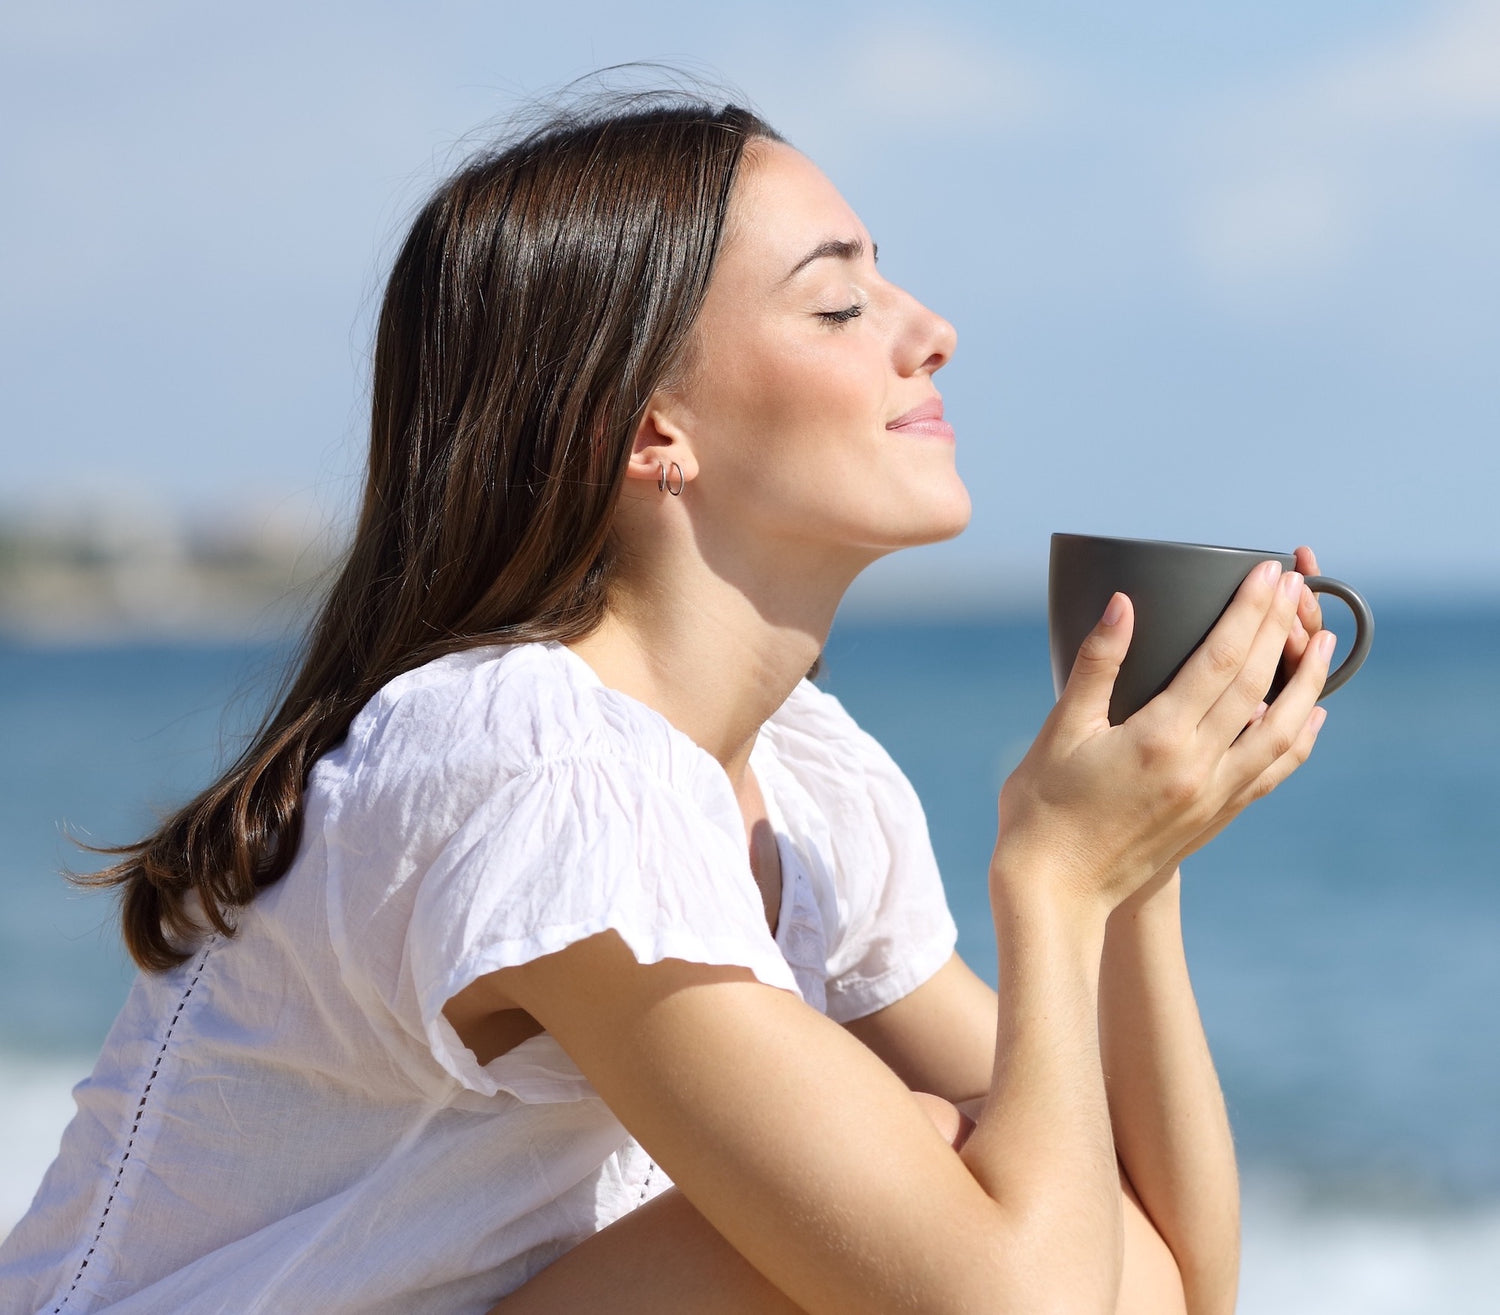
[1094,810]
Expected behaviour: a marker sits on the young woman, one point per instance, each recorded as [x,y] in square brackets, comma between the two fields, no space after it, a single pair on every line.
[554,917]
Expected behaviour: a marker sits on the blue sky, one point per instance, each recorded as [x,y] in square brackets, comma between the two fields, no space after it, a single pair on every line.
[1220,272]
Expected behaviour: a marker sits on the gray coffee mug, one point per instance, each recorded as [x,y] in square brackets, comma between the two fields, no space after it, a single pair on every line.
[1179,590]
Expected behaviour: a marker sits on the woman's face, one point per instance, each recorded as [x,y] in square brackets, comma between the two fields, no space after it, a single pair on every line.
[809,404]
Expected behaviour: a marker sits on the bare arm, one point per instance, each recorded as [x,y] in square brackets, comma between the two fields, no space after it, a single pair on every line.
[810,1158]
[940,1038]
[666,1259]
[1171,1128]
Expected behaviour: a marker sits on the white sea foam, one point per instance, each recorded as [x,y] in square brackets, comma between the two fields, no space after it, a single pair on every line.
[35,1105]
[1298,1260]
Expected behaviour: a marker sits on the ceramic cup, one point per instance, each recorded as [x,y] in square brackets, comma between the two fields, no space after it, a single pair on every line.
[1179,590]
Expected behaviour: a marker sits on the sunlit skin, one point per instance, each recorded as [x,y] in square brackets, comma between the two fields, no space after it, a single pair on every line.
[793,480]
[806,356]
[808,1174]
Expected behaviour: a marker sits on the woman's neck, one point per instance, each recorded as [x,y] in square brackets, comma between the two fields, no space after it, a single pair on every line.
[708,657]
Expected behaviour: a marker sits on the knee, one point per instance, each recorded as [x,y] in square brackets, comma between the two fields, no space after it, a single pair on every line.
[951,1122]
[1150,1280]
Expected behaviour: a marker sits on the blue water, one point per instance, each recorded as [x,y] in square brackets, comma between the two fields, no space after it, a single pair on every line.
[1344,935]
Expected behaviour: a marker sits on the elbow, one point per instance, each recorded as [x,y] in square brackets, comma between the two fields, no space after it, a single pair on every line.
[1046,1264]
[1133,1272]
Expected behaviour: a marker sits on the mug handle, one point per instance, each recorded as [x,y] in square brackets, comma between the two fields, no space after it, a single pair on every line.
[1364,628]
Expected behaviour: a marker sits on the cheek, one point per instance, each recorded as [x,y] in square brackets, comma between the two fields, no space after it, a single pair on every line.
[791,396]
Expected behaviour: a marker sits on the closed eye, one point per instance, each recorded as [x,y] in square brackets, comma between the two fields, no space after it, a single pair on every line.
[841,316]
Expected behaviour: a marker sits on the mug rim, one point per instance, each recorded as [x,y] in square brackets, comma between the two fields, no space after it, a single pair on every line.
[1263,553]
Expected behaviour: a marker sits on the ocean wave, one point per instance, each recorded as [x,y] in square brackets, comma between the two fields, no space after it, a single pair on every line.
[1302,1259]
[35,1105]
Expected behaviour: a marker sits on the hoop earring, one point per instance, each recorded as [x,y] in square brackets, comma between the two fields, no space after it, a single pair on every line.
[665,484]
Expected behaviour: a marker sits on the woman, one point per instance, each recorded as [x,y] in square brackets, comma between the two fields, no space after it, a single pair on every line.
[550,869]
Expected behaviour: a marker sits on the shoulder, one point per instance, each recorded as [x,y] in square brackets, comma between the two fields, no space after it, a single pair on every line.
[517,707]
[437,740]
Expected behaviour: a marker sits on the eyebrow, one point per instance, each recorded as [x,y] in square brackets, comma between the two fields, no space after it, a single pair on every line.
[841,248]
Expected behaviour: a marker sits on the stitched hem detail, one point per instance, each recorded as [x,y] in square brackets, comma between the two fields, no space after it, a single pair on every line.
[135,1127]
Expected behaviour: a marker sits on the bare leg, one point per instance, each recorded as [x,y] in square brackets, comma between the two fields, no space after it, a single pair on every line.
[1150,1281]
[661,1259]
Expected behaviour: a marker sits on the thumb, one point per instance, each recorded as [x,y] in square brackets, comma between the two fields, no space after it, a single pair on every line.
[1085,699]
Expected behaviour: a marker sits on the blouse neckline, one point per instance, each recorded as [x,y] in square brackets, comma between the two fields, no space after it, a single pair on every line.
[793,877]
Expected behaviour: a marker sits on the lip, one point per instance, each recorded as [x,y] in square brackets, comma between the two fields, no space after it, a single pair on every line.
[925,419]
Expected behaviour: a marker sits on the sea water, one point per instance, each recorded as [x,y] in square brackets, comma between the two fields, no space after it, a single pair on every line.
[1344,934]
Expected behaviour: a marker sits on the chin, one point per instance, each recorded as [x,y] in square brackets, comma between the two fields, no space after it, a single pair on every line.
[935,516]
[947,521]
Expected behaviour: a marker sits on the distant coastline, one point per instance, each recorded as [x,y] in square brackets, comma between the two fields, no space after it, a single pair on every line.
[90,576]
[124,572]
[120,573]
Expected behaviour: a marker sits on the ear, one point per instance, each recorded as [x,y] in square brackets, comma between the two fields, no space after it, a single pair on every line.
[661,441]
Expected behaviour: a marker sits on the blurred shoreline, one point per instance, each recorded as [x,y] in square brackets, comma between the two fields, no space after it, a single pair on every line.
[103,574]
[97,574]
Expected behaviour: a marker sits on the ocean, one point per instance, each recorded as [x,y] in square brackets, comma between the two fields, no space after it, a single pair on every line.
[1344,934]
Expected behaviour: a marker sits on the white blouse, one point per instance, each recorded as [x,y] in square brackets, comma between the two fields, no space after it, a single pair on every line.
[287,1122]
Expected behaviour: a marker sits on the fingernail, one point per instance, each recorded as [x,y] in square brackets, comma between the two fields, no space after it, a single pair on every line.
[1269,571]
[1325,641]
[1115,610]
[1291,585]
[1319,716]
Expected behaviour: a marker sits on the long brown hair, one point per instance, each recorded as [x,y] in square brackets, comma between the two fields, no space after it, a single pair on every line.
[542,294]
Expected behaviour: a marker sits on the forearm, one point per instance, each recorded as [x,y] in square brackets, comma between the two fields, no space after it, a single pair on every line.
[1042,1146]
[1170,1126]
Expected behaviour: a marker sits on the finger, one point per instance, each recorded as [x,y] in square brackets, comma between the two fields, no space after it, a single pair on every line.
[1310,612]
[1296,643]
[1268,779]
[1278,732]
[1218,661]
[1234,708]
[1084,703]
[1285,764]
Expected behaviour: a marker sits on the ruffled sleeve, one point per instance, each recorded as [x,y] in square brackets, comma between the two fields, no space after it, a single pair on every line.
[861,831]
[498,805]
[570,849]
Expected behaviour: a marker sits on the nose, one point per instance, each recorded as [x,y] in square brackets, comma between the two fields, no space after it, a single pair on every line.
[927,340]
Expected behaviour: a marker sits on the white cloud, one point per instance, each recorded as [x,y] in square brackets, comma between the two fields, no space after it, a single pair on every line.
[904,80]
[1445,74]
[972,84]
[1291,222]
[1298,183]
